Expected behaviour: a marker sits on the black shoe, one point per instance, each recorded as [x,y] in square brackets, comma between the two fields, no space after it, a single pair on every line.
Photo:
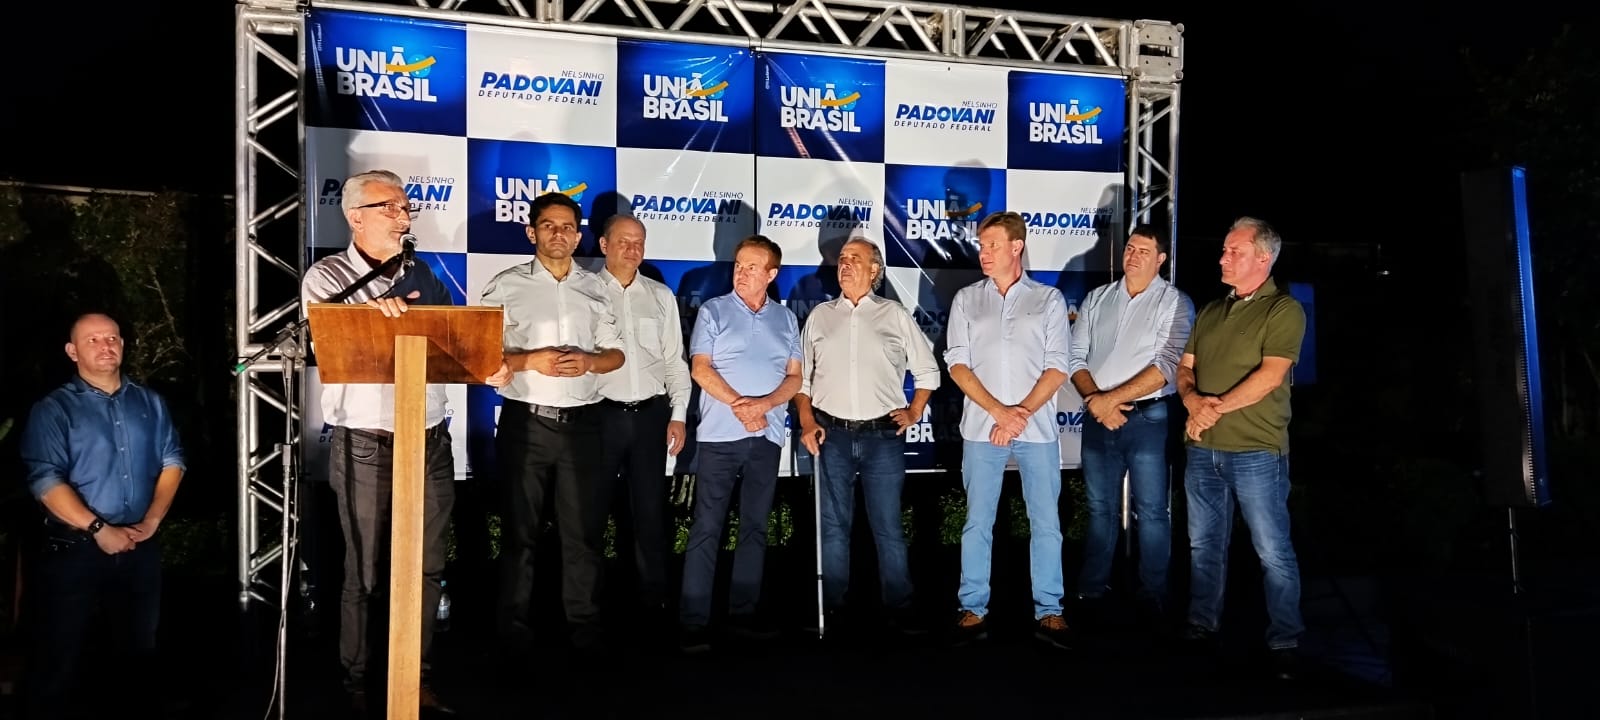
[970,628]
[1197,635]
[751,627]
[694,639]
[1052,630]
[429,702]
[1285,664]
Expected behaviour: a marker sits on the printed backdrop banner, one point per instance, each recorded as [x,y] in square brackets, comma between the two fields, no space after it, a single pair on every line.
[706,144]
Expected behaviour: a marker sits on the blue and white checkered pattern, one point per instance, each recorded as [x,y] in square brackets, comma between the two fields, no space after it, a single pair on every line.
[707,144]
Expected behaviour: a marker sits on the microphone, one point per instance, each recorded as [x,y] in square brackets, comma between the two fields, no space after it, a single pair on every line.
[408,252]
[406,258]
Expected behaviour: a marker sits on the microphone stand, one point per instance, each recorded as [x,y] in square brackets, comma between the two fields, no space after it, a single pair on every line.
[406,257]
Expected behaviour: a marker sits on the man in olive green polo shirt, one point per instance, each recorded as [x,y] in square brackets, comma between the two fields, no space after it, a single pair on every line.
[1234,381]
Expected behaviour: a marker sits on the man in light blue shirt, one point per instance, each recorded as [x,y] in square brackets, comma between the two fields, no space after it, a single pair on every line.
[745,355]
[1007,351]
[1126,345]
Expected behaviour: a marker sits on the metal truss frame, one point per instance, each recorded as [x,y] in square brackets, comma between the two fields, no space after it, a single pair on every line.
[269,141]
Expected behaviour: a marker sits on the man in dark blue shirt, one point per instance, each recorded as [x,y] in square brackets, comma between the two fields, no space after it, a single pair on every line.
[103,459]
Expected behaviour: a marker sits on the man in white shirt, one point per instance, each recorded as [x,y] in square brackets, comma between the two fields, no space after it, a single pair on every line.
[855,352]
[361,449]
[642,405]
[1126,345]
[1007,351]
[560,336]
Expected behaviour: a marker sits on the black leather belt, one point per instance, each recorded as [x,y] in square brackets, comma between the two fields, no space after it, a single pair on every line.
[877,423]
[386,437]
[558,414]
[634,406]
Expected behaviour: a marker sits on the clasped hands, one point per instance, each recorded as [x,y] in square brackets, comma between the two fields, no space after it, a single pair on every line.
[554,362]
[560,361]
[1009,423]
[752,411]
[1106,411]
[117,539]
[1204,411]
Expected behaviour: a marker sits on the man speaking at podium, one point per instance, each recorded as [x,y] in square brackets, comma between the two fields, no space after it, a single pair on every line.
[361,452]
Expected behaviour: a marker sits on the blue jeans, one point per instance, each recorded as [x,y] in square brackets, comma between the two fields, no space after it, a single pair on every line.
[879,457]
[1139,450]
[982,467]
[1260,481]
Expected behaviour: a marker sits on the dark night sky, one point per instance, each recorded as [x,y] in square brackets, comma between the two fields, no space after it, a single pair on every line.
[1337,115]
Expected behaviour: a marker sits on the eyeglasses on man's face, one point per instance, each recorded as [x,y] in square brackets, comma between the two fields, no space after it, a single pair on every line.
[392,209]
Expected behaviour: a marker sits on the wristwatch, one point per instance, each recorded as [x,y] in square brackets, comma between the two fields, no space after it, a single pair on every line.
[95,526]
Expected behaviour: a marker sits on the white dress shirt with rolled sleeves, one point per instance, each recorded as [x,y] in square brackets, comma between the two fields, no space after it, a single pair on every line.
[540,312]
[652,340]
[854,357]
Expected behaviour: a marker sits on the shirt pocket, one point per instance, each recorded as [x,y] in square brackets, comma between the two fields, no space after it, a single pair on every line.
[649,334]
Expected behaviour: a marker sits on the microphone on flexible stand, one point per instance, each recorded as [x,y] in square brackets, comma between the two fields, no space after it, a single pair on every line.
[406,258]
[408,252]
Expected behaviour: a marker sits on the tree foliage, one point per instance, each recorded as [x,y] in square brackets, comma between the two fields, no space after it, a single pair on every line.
[140,258]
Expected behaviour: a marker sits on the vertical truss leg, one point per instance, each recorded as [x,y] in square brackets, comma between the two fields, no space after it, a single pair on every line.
[1153,59]
[1153,158]
[269,246]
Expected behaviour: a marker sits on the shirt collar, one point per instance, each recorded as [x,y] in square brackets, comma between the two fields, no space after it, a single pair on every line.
[739,301]
[1156,285]
[611,280]
[868,299]
[990,284]
[80,385]
[537,268]
[1267,288]
[359,263]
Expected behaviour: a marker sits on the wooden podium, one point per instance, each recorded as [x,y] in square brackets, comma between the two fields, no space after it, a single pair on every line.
[428,344]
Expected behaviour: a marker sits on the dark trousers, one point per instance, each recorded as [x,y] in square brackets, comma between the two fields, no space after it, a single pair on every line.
[543,461]
[754,461]
[635,442]
[72,577]
[361,471]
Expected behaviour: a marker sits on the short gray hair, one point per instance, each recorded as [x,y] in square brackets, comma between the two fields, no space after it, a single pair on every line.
[1266,239]
[877,258]
[355,186]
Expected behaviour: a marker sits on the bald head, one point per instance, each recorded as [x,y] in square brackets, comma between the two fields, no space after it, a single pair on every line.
[95,345]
